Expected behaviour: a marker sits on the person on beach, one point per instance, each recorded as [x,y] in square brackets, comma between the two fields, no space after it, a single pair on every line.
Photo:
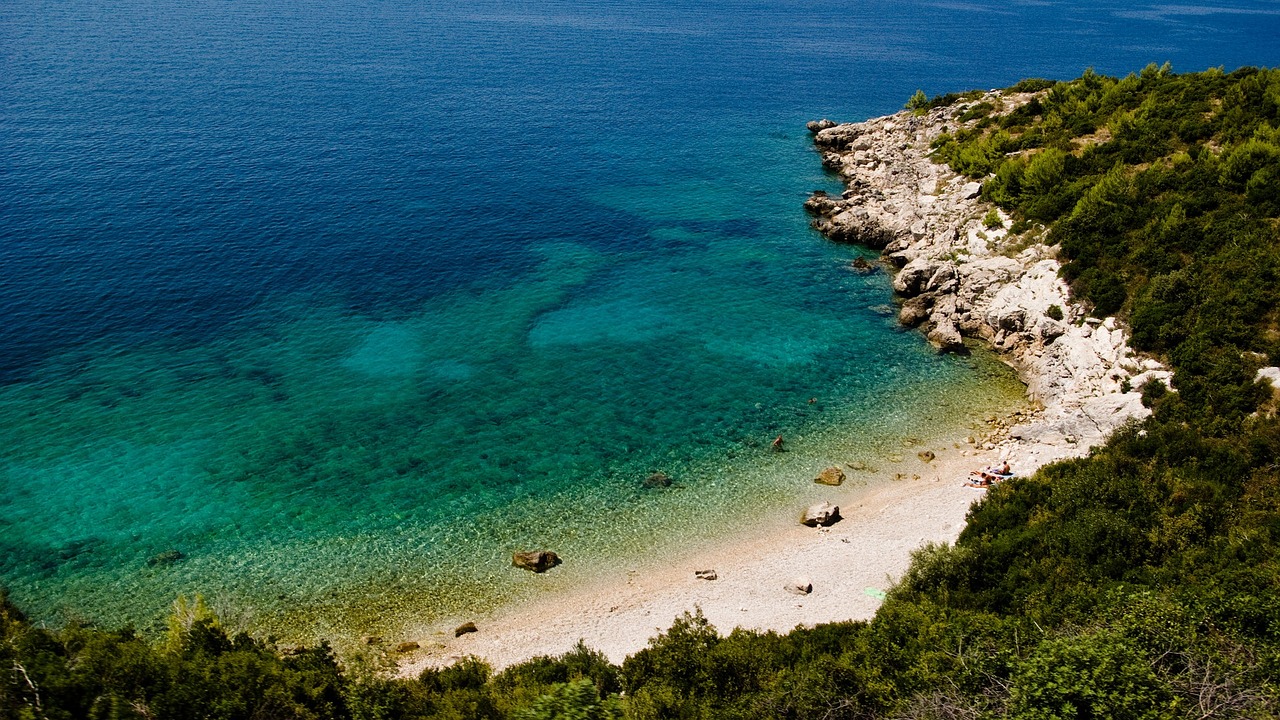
[989,476]
[777,444]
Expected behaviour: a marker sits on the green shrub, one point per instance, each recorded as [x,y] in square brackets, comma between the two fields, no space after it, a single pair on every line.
[577,700]
[1088,676]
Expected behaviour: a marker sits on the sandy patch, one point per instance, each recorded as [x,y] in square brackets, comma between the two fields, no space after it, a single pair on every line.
[849,565]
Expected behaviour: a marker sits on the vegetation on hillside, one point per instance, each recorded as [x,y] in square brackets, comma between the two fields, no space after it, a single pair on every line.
[1140,582]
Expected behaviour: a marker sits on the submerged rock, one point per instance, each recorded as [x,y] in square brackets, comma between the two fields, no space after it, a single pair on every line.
[538,561]
[407,647]
[831,476]
[657,480]
[168,557]
[861,266]
[464,628]
[822,514]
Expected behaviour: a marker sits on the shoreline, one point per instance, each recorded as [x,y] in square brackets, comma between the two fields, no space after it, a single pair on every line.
[884,520]
[958,276]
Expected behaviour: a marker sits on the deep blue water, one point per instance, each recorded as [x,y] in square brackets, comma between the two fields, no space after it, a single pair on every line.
[316,292]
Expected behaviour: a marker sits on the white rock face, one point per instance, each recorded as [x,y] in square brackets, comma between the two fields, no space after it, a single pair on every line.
[1271,375]
[962,278]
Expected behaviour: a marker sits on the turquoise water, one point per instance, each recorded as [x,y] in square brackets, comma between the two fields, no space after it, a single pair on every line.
[345,302]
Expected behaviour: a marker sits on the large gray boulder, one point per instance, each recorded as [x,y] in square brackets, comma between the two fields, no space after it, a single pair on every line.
[914,276]
[822,514]
[946,337]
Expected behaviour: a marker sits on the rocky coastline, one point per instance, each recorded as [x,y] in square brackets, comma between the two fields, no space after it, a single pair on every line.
[962,273]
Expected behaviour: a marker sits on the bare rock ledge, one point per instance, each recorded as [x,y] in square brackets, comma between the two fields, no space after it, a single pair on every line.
[960,279]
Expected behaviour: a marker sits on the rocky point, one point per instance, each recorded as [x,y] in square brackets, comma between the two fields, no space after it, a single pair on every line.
[959,274]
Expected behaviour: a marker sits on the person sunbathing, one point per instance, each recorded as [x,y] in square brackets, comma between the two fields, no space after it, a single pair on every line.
[989,476]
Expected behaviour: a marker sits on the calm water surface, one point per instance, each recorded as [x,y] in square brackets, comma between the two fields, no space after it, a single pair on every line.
[345,301]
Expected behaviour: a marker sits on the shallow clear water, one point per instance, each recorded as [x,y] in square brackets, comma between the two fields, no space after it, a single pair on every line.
[346,301]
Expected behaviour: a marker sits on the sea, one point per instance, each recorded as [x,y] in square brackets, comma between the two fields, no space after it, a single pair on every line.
[320,310]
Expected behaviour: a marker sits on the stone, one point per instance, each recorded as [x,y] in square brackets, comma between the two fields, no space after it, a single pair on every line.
[799,586]
[822,514]
[371,640]
[464,628]
[705,574]
[943,275]
[946,337]
[817,126]
[915,310]
[407,647]
[1049,329]
[831,476]
[657,480]
[168,557]
[538,561]
[970,190]
[912,278]
[926,455]
[861,266]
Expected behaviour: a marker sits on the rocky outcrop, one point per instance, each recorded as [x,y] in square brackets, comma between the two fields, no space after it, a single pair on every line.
[538,561]
[959,278]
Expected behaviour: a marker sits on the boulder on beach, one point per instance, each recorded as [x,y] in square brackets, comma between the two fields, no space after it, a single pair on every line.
[538,561]
[705,574]
[822,514]
[464,628]
[831,476]
[799,586]
[406,647]
[926,455]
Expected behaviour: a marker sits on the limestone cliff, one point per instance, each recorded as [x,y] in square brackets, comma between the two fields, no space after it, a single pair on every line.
[962,273]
